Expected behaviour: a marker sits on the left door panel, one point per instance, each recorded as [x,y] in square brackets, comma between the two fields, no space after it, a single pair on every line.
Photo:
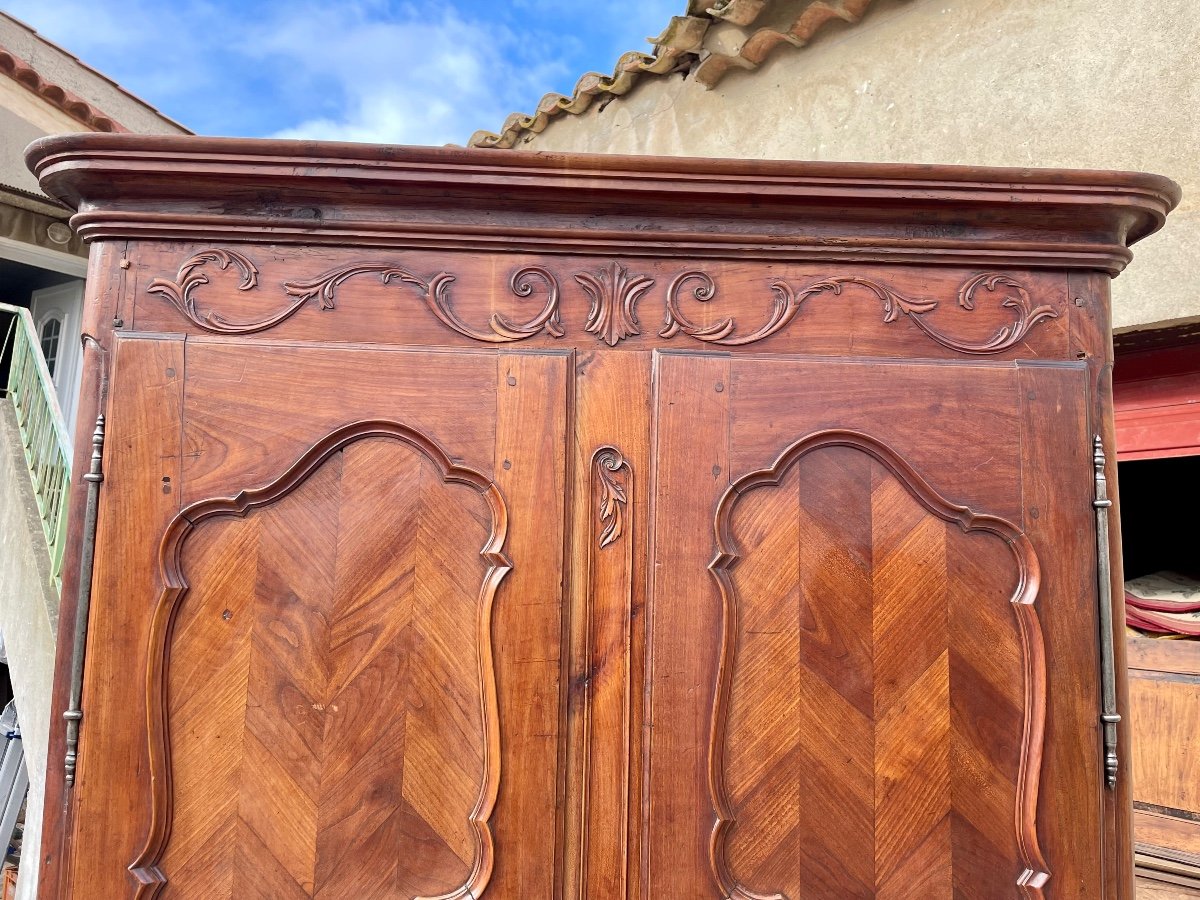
[318,578]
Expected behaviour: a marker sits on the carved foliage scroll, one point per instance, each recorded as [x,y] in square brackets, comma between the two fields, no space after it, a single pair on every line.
[434,290]
[352,702]
[435,293]
[181,292]
[608,463]
[869,693]
[788,300]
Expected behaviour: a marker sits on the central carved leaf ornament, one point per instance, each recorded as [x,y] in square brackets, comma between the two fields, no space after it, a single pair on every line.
[614,293]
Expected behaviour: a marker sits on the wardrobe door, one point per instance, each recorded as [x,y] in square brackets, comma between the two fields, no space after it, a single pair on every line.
[871,635]
[332,579]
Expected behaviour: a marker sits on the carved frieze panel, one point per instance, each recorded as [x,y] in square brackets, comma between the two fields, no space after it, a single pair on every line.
[613,293]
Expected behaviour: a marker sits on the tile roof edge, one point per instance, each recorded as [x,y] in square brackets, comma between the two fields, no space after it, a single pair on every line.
[678,46]
[48,91]
[681,45]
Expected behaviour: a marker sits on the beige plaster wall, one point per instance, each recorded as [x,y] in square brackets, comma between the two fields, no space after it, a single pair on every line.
[16,132]
[1075,83]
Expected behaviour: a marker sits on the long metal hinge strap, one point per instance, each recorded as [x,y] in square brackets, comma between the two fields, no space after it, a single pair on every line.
[74,713]
[1108,675]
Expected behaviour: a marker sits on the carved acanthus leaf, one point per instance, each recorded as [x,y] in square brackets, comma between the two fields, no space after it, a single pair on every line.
[609,462]
[614,294]
[1028,315]
[181,293]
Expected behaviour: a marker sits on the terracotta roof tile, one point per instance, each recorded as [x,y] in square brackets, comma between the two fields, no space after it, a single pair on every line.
[681,45]
[83,112]
[676,47]
[759,45]
[72,104]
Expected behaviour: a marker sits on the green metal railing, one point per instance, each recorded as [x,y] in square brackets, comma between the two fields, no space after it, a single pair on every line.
[43,432]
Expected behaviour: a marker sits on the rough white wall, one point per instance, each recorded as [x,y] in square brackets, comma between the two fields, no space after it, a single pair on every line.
[27,609]
[1073,83]
[16,132]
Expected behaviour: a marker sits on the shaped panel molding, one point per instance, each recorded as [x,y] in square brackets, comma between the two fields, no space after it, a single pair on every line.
[322,700]
[879,710]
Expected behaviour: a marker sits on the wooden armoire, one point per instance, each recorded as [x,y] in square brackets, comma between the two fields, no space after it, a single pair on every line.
[487,524]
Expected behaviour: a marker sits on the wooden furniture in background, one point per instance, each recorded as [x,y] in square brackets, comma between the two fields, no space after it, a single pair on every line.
[1156,380]
[1164,707]
[524,526]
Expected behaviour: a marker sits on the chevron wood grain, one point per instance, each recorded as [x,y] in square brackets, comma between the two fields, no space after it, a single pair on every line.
[871,669]
[329,699]
[869,727]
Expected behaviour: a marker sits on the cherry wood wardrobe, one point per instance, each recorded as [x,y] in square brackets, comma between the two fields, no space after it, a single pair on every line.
[487,524]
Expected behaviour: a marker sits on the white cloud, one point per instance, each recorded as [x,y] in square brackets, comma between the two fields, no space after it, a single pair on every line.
[412,78]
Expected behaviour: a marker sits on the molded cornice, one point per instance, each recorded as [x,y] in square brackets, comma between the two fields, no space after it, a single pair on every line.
[232,189]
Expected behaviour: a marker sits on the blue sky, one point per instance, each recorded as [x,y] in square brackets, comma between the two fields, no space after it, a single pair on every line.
[356,70]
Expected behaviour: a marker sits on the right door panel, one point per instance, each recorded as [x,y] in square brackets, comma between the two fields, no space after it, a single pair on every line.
[850,652]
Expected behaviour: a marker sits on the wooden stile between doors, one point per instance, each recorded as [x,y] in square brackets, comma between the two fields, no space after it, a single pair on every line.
[481,524]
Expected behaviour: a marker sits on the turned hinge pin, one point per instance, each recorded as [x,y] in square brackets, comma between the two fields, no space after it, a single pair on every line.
[74,714]
[1109,717]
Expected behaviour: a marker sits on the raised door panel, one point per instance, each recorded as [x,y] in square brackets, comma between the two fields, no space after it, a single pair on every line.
[834,700]
[330,706]
[849,656]
[336,631]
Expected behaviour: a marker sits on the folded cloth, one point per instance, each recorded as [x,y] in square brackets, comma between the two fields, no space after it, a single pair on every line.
[1165,603]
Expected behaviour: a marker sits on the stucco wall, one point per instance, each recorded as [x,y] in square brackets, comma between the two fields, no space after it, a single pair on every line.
[16,132]
[1074,83]
[28,617]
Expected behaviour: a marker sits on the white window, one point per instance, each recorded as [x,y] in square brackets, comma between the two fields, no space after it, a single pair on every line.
[50,335]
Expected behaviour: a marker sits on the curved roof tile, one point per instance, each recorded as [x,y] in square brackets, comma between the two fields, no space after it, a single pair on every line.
[682,45]
[72,104]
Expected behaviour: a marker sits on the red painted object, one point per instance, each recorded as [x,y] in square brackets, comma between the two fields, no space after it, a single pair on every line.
[1156,398]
